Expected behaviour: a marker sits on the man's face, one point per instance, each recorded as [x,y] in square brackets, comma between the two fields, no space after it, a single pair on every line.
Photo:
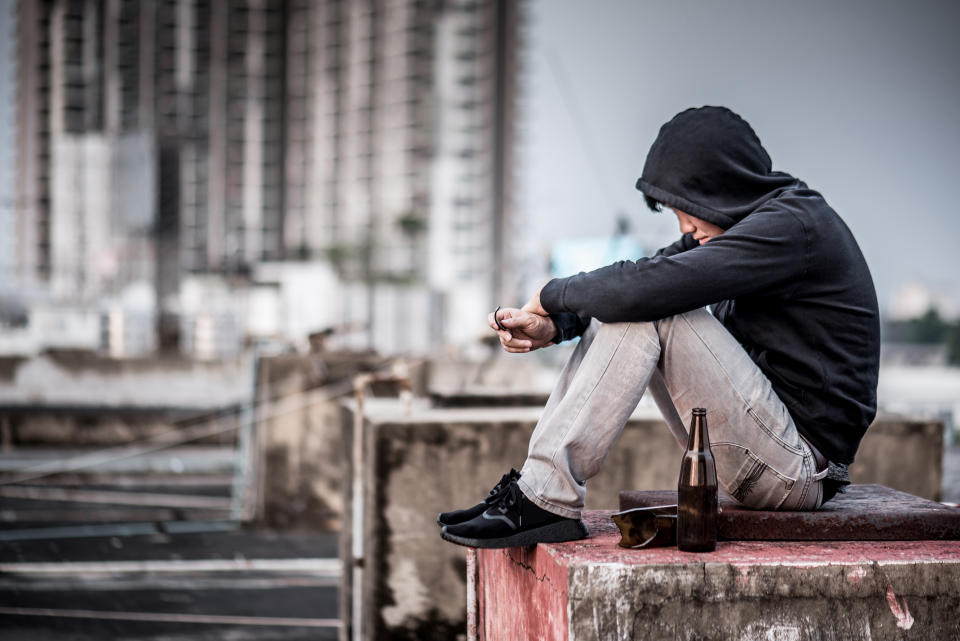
[701,229]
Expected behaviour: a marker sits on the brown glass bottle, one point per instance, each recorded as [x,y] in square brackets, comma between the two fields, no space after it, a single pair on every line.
[697,490]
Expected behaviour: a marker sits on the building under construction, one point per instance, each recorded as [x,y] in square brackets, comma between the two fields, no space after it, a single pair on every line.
[187,143]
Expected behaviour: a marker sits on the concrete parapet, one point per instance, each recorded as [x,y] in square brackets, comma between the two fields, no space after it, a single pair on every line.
[593,590]
[300,438]
[69,398]
[903,453]
[79,379]
[435,459]
[431,460]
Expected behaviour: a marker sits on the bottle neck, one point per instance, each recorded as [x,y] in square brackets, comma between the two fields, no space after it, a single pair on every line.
[698,440]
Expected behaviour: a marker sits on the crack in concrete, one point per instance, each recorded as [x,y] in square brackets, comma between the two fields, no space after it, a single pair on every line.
[635,624]
[529,568]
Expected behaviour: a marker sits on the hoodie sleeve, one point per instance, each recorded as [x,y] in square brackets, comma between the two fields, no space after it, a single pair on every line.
[765,252]
[685,243]
[570,325]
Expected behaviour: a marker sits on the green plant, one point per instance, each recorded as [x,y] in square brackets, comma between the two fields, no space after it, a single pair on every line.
[412,223]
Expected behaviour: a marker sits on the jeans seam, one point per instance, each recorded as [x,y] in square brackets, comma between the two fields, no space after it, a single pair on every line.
[784,499]
[806,482]
[763,426]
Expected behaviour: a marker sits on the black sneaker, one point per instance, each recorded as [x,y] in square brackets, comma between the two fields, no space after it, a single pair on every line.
[462,516]
[513,521]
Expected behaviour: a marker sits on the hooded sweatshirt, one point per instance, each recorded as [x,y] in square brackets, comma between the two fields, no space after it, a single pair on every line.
[786,278]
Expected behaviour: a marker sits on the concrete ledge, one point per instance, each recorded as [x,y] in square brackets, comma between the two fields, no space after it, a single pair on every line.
[595,590]
[903,453]
[862,513]
[426,460]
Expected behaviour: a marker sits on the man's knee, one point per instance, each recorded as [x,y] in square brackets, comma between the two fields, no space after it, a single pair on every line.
[682,322]
[638,337]
[625,329]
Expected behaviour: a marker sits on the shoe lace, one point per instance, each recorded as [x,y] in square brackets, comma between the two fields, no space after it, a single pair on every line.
[498,490]
[509,498]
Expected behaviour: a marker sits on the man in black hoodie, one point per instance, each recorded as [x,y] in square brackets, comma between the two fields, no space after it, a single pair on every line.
[764,312]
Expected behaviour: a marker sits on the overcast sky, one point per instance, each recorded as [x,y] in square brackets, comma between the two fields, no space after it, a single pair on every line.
[860,99]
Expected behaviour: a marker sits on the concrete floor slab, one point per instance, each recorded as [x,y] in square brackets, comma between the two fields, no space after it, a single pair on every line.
[240,585]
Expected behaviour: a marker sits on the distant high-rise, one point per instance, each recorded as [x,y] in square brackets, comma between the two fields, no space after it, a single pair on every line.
[163,138]
[85,204]
[8,80]
[400,154]
[472,258]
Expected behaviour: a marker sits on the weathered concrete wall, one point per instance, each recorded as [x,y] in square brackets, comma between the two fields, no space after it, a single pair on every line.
[301,449]
[86,379]
[436,459]
[904,454]
[593,590]
[533,581]
[306,459]
[74,427]
[299,430]
[74,397]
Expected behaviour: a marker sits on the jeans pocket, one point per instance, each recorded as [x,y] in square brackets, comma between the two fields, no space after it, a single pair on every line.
[749,480]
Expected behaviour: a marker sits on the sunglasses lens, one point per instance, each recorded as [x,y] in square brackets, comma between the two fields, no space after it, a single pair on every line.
[647,527]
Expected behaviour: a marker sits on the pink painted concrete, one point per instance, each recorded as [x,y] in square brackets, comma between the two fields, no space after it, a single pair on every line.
[522,595]
[601,547]
[522,592]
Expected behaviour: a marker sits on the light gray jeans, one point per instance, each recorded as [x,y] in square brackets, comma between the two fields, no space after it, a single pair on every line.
[686,361]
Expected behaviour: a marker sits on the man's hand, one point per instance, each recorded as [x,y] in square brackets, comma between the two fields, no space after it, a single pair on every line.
[525,331]
[533,305]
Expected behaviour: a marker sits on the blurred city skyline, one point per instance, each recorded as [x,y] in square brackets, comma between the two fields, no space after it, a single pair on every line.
[858,98]
[194,175]
[442,151]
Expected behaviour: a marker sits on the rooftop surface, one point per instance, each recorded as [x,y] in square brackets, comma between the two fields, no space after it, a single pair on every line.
[601,547]
[862,513]
[242,585]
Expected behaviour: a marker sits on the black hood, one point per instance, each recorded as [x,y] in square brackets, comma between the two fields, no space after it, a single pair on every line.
[709,163]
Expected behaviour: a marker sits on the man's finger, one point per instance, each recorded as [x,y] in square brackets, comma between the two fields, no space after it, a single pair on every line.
[517,350]
[512,321]
[509,342]
[498,318]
